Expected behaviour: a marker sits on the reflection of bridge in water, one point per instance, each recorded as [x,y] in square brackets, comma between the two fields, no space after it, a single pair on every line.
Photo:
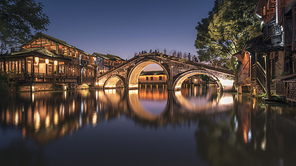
[46,116]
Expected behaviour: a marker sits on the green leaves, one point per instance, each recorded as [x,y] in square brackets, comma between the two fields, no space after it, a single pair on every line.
[229,25]
[17,20]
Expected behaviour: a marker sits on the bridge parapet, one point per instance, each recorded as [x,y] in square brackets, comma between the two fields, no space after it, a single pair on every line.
[176,72]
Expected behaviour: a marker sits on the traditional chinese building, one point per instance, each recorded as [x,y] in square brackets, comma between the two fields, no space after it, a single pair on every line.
[107,62]
[44,61]
[273,54]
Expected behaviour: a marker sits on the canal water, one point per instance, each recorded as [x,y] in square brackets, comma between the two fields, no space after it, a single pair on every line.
[194,126]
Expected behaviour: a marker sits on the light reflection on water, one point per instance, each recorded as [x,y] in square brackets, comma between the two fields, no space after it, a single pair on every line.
[196,126]
[153,101]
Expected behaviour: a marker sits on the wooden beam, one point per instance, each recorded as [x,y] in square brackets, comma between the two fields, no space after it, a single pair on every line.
[293,28]
[267,67]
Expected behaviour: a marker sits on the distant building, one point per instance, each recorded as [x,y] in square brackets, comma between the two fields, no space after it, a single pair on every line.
[152,77]
[107,62]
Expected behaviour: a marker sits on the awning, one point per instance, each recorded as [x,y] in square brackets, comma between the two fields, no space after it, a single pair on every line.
[291,80]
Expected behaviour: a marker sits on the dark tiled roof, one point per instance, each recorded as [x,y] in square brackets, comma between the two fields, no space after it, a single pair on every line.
[108,56]
[101,55]
[85,53]
[40,50]
[61,42]
[114,57]
[260,46]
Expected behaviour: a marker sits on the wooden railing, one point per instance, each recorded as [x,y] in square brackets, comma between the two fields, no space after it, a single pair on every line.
[291,91]
[88,79]
[280,88]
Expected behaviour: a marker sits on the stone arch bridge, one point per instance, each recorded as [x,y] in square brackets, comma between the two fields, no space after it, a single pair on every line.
[176,69]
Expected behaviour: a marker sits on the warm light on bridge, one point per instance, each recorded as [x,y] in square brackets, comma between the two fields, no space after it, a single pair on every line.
[133,86]
[178,87]
[110,86]
[100,83]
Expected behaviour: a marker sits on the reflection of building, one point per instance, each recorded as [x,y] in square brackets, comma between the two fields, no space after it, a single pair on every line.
[243,82]
[194,80]
[153,94]
[152,77]
[51,116]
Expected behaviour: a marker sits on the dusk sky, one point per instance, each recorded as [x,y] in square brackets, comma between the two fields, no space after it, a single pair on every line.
[123,27]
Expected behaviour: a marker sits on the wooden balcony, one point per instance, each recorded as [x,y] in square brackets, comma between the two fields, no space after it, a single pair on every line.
[273,33]
[43,78]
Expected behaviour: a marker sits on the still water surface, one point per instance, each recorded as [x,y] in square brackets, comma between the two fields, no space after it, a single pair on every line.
[194,126]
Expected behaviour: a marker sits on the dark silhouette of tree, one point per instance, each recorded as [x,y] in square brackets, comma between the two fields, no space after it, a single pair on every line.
[229,25]
[17,20]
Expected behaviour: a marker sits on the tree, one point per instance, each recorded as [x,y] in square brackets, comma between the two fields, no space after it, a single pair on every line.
[17,20]
[229,25]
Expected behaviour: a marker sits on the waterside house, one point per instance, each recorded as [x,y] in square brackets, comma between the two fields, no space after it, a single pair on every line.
[45,61]
[273,54]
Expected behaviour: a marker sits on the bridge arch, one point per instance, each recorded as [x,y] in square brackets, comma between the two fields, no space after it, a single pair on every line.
[180,79]
[112,82]
[133,77]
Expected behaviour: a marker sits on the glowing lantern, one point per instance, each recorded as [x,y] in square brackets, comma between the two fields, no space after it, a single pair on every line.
[46,61]
[55,62]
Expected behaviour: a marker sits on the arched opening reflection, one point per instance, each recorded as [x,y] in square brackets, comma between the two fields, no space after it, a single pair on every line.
[153,100]
[148,104]
[204,99]
[113,95]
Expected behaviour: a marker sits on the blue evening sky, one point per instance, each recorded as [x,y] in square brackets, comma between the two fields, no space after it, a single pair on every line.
[123,27]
